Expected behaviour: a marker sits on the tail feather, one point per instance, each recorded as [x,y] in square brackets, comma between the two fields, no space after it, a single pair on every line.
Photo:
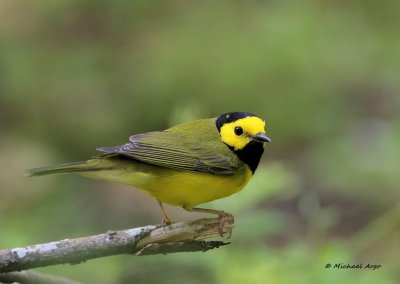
[83,166]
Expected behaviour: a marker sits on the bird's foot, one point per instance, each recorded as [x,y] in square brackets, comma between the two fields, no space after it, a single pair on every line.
[166,221]
[222,218]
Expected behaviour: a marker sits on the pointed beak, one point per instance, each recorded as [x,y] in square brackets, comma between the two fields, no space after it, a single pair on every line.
[261,137]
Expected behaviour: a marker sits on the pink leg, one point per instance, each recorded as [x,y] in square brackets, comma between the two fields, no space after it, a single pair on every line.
[165,220]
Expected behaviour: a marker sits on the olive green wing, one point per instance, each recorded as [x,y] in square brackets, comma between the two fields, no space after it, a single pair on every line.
[173,150]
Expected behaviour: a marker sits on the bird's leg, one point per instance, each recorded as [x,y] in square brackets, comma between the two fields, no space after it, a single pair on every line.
[165,220]
[221,216]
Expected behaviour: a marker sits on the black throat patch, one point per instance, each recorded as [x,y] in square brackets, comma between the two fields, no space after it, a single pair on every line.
[250,154]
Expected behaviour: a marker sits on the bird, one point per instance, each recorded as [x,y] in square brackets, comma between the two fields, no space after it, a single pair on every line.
[186,165]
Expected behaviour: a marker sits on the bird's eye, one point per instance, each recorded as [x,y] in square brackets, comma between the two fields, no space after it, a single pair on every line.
[238,130]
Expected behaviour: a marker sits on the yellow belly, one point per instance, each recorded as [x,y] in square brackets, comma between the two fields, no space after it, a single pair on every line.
[188,189]
[174,187]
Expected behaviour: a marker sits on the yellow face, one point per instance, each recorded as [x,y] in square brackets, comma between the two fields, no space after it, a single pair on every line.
[241,132]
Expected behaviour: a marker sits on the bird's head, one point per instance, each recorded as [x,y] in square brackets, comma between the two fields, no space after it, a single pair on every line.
[239,129]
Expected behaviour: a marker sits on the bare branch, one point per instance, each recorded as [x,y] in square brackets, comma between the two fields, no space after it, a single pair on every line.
[177,237]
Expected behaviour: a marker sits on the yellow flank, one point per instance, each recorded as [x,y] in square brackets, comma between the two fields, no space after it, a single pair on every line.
[252,125]
[166,184]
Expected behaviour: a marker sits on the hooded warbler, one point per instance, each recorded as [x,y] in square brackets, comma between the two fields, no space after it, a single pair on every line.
[185,165]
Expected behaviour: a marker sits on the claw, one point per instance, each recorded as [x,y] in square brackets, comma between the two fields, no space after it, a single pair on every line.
[221,218]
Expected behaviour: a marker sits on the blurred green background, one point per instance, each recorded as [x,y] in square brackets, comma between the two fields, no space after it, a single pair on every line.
[75,75]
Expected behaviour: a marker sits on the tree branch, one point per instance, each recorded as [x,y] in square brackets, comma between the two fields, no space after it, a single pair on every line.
[177,237]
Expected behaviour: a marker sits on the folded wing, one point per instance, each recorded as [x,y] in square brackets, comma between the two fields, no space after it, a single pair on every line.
[172,150]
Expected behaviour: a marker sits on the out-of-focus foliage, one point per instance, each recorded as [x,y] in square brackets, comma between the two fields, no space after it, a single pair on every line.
[75,75]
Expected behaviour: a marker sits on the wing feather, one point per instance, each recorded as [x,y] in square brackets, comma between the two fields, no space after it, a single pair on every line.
[173,150]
